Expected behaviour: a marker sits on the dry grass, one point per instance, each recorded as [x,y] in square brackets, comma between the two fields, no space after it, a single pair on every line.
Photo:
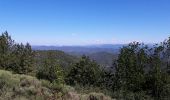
[23,87]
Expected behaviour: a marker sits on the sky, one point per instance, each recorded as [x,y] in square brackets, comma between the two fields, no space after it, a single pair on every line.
[85,22]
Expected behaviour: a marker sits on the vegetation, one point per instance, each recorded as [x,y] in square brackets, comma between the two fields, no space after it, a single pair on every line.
[62,59]
[140,69]
[24,87]
[107,61]
[18,58]
[138,73]
[85,72]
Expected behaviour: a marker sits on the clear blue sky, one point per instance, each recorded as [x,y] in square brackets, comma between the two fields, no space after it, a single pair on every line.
[83,22]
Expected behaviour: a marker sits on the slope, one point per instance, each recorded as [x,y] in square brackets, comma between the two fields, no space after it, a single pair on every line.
[23,87]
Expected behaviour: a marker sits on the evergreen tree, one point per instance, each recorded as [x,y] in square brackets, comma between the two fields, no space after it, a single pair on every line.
[157,80]
[6,50]
[24,62]
[50,70]
[85,72]
[130,67]
[18,58]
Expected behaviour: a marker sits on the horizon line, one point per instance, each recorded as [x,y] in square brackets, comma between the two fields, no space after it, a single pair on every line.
[89,44]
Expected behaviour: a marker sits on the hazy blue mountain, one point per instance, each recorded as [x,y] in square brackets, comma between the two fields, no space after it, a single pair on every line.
[79,50]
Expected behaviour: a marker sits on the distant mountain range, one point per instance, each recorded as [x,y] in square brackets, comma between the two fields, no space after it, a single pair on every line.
[79,50]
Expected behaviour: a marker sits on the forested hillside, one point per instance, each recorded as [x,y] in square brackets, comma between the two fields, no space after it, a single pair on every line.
[61,58]
[103,58]
[139,72]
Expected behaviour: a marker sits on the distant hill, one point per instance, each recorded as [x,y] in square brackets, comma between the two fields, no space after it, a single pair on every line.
[80,50]
[103,58]
[65,60]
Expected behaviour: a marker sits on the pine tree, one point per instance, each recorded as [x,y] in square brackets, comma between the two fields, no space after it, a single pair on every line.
[6,50]
[18,58]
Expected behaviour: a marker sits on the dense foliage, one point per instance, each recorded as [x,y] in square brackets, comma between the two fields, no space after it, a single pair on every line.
[50,70]
[18,58]
[61,58]
[141,69]
[85,72]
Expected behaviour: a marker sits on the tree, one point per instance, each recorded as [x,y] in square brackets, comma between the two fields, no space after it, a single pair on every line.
[6,50]
[24,62]
[18,58]
[50,70]
[141,69]
[166,54]
[131,62]
[157,80]
[106,79]
[85,72]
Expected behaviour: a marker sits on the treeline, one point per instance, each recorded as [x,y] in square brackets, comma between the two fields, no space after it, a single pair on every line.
[140,72]
[15,57]
[143,71]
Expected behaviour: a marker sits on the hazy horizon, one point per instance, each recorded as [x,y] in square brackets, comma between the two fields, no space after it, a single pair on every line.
[85,22]
[87,45]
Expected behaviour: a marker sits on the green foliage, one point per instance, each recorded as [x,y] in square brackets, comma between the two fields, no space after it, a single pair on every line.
[85,72]
[24,59]
[107,61]
[130,67]
[139,73]
[6,50]
[141,69]
[50,70]
[61,58]
[157,79]
[23,87]
[18,58]
[106,80]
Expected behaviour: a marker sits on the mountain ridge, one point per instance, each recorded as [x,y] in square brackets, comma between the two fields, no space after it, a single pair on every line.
[88,49]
